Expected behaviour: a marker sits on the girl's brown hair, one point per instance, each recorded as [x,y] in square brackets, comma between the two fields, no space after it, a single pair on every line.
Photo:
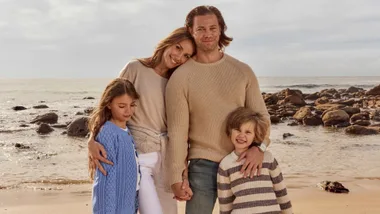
[102,113]
[243,115]
[175,37]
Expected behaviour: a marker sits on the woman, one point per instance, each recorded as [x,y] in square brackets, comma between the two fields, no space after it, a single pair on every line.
[148,124]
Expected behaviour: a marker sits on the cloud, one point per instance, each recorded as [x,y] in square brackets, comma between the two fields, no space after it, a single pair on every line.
[95,38]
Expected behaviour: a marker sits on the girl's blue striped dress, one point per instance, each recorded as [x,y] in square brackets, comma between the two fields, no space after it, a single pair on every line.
[116,192]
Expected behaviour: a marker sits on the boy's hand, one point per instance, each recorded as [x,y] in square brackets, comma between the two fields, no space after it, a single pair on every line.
[253,162]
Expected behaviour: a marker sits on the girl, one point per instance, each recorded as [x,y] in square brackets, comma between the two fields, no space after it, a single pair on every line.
[116,192]
[261,194]
[148,126]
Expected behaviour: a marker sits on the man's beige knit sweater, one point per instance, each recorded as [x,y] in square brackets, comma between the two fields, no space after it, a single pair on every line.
[198,99]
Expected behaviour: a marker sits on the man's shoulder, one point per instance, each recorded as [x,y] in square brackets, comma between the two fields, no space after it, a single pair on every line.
[239,65]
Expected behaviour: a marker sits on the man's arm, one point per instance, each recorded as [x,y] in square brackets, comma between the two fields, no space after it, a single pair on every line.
[255,101]
[177,111]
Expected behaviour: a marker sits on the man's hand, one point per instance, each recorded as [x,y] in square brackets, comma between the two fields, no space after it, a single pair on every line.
[253,162]
[182,191]
[96,153]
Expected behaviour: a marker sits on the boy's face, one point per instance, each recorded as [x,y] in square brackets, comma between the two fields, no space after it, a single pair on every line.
[243,137]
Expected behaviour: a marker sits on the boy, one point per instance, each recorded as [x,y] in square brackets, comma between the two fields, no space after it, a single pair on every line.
[262,194]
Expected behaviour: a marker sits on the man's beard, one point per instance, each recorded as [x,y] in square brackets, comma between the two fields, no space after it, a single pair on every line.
[207,49]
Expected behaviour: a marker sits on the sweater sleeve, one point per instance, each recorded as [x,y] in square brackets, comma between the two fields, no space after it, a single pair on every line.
[129,72]
[177,111]
[225,194]
[255,101]
[104,189]
[280,188]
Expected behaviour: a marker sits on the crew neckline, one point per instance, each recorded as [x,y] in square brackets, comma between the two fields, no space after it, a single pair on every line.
[211,64]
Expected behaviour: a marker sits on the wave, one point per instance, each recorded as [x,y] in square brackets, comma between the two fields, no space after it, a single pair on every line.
[48,182]
[324,86]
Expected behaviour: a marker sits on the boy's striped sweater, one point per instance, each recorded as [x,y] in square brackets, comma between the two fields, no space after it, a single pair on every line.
[263,194]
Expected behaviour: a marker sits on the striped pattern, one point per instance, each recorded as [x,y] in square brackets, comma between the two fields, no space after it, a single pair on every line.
[116,192]
[263,194]
[199,97]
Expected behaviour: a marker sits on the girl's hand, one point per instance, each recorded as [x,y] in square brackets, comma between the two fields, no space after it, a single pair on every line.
[96,153]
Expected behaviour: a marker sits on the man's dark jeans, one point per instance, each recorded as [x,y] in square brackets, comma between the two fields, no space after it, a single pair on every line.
[202,178]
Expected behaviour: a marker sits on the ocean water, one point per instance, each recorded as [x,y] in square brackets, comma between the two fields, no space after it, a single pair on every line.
[314,152]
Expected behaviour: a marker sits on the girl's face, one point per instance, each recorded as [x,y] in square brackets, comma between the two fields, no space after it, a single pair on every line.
[178,54]
[243,137]
[122,108]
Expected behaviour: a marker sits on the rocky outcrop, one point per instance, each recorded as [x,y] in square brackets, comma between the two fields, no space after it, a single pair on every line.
[78,127]
[374,91]
[44,128]
[360,130]
[18,108]
[50,118]
[335,117]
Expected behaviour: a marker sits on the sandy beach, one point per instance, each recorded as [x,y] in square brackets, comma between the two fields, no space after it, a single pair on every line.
[48,173]
[364,198]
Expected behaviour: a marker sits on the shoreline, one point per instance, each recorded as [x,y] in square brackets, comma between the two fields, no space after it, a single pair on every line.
[363,198]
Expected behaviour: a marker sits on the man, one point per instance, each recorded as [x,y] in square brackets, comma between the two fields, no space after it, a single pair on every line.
[199,96]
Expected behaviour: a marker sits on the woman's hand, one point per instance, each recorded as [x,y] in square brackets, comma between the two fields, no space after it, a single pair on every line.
[96,153]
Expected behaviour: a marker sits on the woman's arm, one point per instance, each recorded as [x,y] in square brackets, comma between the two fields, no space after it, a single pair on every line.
[97,153]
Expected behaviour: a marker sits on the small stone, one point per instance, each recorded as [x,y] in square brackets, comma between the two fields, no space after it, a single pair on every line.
[286,135]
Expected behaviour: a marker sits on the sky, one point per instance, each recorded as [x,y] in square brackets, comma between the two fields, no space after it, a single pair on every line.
[96,38]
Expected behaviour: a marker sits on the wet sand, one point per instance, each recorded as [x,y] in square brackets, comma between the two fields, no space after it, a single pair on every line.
[364,197]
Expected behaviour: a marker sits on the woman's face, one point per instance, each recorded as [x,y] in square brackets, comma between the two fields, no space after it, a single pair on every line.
[178,54]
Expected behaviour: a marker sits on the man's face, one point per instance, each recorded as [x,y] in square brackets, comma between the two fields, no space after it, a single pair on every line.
[206,32]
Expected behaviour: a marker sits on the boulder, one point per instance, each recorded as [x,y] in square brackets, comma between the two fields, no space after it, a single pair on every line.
[313,120]
[275,119]
[286,135]
[322,100]
[294,123]
[353,89]
[18,108]
[313,96]
[361,122]
[293,99]
[44,129]
[302,113]
[50,118]
[40,106]
[78,128]
[359,116]
[324,107]
[360,130]
[374,91]
[270,99]
[351,110]
[335,117]
[294,92]
[349,102]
